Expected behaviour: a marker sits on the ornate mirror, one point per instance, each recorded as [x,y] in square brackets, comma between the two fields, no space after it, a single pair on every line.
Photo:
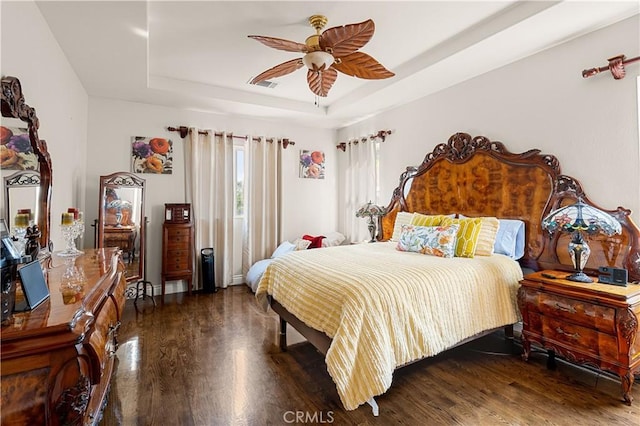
[25,162]
[121,219]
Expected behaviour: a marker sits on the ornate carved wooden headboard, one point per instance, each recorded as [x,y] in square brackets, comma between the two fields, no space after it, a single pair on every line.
[478,177]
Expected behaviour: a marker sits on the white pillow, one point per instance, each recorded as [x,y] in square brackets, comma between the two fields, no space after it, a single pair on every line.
[510,238]
[283,249]
[332,239]
[302,244]
[402,218]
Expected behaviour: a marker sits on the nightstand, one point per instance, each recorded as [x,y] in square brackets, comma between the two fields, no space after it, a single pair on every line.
[591,324]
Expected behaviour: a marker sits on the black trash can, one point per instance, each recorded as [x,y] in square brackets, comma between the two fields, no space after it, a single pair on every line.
[208,277]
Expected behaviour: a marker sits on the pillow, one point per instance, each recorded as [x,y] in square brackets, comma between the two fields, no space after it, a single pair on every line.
[487,237]
[333,239]
[283,249]
[426,220]
[510,238]
[255,273]
[467,237]
[316,242]
[402,218]
[302,244]
[432,240]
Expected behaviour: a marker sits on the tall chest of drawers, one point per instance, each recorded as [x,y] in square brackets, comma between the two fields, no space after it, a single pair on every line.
[592,324]
[177,245]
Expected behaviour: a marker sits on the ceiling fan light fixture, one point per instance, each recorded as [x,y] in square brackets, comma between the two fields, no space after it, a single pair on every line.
[318,60]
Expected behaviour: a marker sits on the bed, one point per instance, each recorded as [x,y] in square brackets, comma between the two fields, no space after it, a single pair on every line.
[371,308]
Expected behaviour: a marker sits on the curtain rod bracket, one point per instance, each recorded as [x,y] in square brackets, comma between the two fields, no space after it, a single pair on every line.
[616,66]
[183,130]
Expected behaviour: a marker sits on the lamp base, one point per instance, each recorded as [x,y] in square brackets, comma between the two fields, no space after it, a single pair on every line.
[580,277]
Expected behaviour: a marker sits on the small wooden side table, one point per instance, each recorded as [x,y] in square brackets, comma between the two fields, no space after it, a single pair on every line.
[592,324]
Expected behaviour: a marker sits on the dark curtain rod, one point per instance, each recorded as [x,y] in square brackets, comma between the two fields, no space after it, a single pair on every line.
[382,134]
[184,131]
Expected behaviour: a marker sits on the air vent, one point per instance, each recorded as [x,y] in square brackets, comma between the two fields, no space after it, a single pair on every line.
[266,83]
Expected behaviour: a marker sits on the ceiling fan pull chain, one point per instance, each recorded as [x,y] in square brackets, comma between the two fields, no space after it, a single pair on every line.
[316,102]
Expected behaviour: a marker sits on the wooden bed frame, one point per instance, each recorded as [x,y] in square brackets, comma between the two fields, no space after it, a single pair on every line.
[474,176]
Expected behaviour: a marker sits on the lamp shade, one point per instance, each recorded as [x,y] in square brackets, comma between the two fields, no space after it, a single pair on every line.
[318,60]
[370,209]
[576,219]
[581,217]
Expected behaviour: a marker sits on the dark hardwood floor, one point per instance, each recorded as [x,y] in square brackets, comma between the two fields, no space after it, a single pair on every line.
[212,359]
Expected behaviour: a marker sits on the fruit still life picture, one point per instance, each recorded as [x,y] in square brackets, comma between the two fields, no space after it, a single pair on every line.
[15,150]
[312,164]
[151,155]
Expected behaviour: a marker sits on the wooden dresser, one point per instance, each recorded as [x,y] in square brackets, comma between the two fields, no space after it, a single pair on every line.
[57,360]
[591,324]
[177,245]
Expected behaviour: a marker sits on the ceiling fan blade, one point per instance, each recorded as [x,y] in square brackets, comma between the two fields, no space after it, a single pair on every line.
[347,38]
[320,82]
[280,43]
[279,70]
[361,65]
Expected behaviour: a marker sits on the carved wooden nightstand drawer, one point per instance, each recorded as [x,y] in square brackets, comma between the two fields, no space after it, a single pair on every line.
[587,323]
[602,318]
[579,339]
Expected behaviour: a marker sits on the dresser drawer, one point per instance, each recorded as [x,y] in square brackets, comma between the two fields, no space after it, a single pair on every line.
[102,341]
[177,253]
[178,232]
[577,338]
[579,312]
[177,266]
[177,244]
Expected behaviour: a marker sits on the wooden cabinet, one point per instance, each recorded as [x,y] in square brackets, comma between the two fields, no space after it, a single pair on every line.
[57,360]
[593,324]
[177,245]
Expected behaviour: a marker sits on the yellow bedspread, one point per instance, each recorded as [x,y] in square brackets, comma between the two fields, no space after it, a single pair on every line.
[384,308]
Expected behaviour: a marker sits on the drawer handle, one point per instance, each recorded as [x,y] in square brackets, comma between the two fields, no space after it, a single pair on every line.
[573,336]
[569,309]
[115,327]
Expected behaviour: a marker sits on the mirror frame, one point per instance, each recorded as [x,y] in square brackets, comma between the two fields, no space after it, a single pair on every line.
[13,105]
[123,180]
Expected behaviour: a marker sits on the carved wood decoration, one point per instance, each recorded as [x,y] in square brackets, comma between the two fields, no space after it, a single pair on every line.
[475,176]
[13,105]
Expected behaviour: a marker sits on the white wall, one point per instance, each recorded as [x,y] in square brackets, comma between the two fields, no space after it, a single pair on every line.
[30,53]
[590,125]
[310,206]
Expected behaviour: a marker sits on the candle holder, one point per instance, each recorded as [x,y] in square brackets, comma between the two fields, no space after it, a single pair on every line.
[71,229]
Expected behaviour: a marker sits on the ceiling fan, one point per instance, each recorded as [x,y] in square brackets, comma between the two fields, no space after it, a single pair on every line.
[335,49]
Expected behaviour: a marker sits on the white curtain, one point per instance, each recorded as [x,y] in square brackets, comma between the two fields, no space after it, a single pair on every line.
[210,190]
[361,181]
[263,188]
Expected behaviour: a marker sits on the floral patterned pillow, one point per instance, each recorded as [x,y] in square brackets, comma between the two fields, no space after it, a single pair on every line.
[433,240]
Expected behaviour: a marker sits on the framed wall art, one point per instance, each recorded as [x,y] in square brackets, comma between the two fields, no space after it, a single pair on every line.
[311,164]
[151,155]
[16,152]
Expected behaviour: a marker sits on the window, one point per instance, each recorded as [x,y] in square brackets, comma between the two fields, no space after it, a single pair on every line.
[238,179]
